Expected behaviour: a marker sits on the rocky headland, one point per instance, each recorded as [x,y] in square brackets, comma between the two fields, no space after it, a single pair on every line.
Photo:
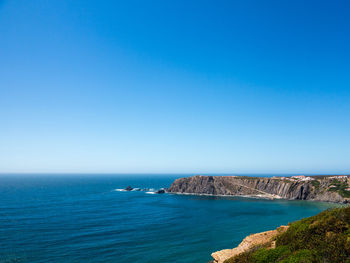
[317,188]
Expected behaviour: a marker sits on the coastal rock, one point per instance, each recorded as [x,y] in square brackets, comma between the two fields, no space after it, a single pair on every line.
[259,239]
[262,187]
[129,188]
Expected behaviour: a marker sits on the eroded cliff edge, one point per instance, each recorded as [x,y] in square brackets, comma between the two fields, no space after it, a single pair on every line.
[322,188]
[264,239]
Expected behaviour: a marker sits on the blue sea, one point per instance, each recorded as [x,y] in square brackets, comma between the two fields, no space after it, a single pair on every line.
[82,218]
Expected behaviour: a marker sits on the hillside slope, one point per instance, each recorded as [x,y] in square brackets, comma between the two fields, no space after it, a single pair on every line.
[319,239]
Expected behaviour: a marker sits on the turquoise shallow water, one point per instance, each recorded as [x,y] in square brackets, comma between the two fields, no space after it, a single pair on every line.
[82,219]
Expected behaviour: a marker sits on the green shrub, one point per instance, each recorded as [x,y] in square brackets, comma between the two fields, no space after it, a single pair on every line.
[301,256]
[270,255]
[316,184]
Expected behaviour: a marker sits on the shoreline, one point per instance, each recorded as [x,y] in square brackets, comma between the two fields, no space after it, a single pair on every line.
[243,196]
[262,198]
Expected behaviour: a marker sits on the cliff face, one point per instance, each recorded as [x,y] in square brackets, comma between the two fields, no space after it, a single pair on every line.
[265,239]
[318,190]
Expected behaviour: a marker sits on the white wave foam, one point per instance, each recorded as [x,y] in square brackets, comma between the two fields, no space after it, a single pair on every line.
[151,193]
[120,190]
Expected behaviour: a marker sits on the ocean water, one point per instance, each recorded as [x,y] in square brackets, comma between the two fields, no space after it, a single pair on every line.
[82,218]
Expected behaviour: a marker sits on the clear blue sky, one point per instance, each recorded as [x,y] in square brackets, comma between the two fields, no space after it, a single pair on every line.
[175,86]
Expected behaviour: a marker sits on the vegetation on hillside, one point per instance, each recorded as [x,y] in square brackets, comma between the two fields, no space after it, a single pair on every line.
[340,187]
[324,238]
[316,183]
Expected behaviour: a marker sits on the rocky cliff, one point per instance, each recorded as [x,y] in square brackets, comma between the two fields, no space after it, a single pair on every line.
[329,189]
[265,239]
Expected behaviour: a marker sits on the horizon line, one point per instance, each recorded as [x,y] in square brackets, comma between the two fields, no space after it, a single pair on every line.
[165,173]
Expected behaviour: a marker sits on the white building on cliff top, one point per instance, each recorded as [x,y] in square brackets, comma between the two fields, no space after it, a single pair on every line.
[302,178]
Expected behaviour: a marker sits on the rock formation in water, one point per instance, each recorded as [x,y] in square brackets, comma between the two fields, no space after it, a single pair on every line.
[322,188]
[129,188]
